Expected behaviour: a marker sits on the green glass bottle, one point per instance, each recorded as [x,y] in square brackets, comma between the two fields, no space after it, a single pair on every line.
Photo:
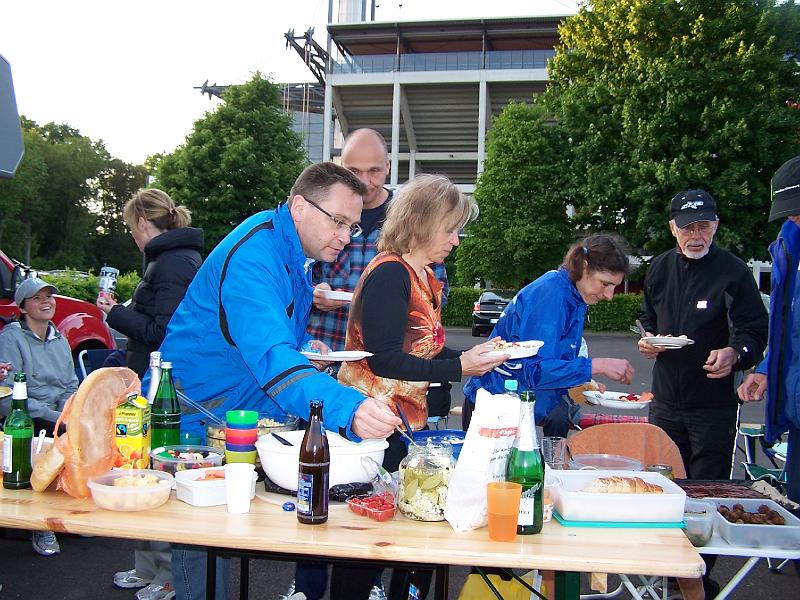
[17,436]
[165,414]
[526,466]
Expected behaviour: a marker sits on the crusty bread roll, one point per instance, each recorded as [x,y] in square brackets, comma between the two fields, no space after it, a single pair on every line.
[576,393]
[617,484]
[46,469]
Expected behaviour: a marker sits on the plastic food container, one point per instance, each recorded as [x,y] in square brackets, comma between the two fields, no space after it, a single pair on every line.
[575,505]
[785,536]
[210,492]
[455,437]
[181,458]
[280,463]
[137,497]
[379,507]
[604,461]
[215,434]
[698,518]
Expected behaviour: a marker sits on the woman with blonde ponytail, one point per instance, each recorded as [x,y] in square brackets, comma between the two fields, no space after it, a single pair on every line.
[172,257]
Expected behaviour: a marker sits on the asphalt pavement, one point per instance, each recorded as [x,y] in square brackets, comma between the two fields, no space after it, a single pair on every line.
[85,566]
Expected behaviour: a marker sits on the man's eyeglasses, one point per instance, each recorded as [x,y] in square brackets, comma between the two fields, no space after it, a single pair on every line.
[355,230]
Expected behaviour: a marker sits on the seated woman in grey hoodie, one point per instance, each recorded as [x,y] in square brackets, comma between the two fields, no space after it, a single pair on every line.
[34,345]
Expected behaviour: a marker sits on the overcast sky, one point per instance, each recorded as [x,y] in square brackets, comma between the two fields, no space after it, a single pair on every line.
[123,71]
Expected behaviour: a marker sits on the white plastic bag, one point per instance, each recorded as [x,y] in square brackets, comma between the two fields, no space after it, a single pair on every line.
[483,459]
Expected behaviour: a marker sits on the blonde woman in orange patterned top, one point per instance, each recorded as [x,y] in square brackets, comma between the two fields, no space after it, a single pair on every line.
[396,310]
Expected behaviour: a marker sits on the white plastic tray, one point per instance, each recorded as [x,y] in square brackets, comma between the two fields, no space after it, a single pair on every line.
[786,537]
[575,505]
[203,493]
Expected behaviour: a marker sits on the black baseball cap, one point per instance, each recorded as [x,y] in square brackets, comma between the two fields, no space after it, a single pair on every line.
[692,206]
[786,190]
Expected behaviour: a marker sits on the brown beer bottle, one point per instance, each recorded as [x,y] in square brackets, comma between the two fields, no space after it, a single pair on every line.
[312,477]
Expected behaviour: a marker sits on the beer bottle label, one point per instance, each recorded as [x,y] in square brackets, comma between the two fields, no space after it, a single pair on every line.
[525,518]
[7,457]
[305,489]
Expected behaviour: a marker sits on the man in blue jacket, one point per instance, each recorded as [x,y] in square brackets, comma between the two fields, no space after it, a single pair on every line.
[778,375]
[235,339]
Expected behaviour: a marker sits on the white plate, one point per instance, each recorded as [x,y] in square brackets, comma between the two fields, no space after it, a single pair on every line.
[612,400]
[520,350]
[4,391]
[342,356]
[661,341]
[336,295]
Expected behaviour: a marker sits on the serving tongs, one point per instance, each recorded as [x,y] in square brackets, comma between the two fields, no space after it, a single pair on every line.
[407,433]
[199,408]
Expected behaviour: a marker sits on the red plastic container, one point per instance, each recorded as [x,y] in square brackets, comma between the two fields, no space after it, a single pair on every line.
[380,507]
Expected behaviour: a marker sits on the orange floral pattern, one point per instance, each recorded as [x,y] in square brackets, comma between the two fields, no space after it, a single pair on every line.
[424,338]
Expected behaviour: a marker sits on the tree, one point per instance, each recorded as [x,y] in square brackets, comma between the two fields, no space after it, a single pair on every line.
[238,160]
[657,96]
[522,229]
[112,243]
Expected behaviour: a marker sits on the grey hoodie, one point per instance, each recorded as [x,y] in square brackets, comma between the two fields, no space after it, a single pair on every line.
[47,364]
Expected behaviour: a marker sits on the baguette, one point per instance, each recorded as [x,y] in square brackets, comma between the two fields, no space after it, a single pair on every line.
[617,484]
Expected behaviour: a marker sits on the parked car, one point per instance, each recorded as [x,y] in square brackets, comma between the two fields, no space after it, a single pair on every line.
[486,311]
[80,322]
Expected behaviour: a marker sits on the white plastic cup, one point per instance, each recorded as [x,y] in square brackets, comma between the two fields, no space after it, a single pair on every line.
[238,483]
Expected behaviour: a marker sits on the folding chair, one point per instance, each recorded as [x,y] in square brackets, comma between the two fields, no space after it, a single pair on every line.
[89,360]
[649,445]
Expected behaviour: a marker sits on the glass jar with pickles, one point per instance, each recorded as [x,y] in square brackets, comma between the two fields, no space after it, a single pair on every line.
[424,477]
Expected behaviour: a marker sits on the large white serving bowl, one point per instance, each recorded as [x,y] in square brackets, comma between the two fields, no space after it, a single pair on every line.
[280,462]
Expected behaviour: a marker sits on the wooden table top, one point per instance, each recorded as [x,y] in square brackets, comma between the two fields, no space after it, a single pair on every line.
[268,528]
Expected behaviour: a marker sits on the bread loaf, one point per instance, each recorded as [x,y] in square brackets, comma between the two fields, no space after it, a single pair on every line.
[617,484]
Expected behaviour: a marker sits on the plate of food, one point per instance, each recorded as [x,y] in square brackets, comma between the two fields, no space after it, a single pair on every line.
[341,356]
[4,391]
[668,341]
[515,349]
[619,399]
[336,295]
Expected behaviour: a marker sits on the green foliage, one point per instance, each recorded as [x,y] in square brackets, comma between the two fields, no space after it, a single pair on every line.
[659,96]
[238,160]
[617,315]
[112,242]
[458,310]
[78,285]
[522,230]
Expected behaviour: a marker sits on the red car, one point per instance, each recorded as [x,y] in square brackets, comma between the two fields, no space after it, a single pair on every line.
[79,321]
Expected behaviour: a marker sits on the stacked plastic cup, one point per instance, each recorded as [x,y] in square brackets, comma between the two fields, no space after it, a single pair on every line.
[241,432]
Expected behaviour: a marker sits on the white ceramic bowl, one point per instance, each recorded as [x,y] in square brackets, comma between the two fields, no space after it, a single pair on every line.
[280,462]
[106,495]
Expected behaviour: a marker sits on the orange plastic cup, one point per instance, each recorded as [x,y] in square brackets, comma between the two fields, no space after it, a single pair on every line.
[502,499]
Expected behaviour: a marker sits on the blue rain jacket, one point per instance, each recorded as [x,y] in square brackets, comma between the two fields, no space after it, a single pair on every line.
[549,309]
[234,339]
[782,362]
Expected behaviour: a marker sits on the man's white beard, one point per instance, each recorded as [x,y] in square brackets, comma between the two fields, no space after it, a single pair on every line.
[695,254]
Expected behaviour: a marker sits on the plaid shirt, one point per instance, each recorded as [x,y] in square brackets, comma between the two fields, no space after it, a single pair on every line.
[343,273]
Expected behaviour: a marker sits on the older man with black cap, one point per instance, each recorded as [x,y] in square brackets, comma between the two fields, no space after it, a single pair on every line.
[779,373]
[707,294]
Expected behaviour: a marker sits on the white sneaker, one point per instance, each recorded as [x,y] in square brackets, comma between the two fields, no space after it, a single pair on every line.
[289,594]
[129,580]
[377,593]
[155,591]
[45,543]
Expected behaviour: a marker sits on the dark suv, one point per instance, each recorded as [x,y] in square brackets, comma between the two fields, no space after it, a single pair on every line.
[80,322]
[486,311]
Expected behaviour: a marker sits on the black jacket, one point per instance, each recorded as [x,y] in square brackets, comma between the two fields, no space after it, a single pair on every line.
[714,301]
[171,262]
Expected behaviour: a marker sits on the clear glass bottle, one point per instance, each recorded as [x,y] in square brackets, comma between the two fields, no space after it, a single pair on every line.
[424,477]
